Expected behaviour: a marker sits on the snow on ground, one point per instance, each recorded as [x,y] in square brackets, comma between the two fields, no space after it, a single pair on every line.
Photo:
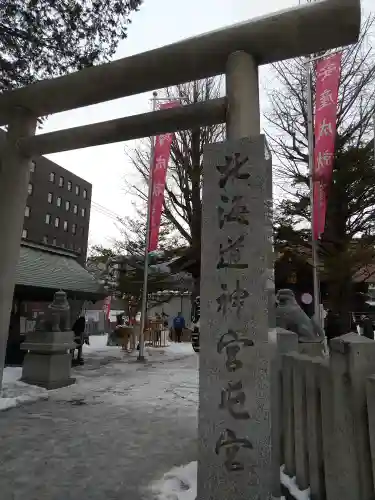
[95,381]
[291,485]
[14,392]
[178,484]
[181,484]
[122,425]
[98,346]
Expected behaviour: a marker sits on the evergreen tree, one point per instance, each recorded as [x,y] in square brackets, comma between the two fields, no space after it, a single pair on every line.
[123,269]
[348,243]
[47,38]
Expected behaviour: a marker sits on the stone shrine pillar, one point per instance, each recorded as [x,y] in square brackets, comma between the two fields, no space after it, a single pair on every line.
[234,416]
[48,360]
[234,421]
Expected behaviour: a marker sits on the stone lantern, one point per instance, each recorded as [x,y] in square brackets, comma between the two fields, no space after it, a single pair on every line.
[48,359]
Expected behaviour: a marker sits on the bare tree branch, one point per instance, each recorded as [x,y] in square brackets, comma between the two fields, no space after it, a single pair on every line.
[182,207]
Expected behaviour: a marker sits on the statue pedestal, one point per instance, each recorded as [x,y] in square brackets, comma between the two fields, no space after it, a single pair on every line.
[48,360]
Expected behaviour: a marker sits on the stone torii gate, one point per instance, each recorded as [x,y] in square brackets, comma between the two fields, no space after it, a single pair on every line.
[234,423]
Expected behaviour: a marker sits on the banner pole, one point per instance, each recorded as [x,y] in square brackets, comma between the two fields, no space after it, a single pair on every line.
[315,257]
[141,355]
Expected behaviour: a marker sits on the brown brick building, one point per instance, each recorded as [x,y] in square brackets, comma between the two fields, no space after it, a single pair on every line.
[58,208]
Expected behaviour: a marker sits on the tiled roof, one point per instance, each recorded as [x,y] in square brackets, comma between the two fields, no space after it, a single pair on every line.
[47,268]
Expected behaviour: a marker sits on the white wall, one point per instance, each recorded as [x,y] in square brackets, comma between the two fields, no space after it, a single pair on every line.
[175,305]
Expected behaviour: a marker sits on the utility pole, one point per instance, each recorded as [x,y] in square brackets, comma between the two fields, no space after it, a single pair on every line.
[315,258]
[141,356]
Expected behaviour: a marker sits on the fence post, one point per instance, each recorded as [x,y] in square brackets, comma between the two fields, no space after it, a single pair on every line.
[370,391]
[352,360]
[328,431]
[300,421]
[286,342]
[288,415]
[314,429]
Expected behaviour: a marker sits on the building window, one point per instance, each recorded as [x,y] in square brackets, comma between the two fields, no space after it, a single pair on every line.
[54,242]
[24,234]
[62,245]
[50,197]
[82,231]
[67,206]
[32,166]
[57,222]
[30,189]
[45,240]
[27,211]
[74,228]
[85,194]
[69,186]
[58,201]
[75,209]
[83,212]
[79,249]
[48,218]
[52,177]
[61,182]
[65,225]
[78,189]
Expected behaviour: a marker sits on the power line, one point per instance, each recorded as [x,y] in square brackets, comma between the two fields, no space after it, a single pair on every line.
[101,207]
[105,211]
[114,219]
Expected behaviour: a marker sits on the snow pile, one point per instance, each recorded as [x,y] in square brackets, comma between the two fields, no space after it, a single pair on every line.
[172,351]
[290,484]
[12,374]
[98,343]
[180,348]
[181,484]
[15,392]
[158,390]
[178,484]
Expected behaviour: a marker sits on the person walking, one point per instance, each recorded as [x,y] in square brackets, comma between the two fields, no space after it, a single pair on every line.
[178,326]
[79,338]
[367,328]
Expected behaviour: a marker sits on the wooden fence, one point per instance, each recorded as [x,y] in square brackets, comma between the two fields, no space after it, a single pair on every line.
[323,416]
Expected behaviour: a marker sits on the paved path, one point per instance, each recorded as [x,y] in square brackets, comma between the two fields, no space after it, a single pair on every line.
[122,426]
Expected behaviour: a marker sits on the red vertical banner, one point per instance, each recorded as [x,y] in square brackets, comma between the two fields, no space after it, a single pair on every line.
[162,151]
[327,87]
[107,306]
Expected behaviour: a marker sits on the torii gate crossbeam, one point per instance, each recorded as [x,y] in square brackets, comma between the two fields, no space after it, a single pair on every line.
[236,51]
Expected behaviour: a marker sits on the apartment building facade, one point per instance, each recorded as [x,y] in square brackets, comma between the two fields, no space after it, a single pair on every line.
[58,208]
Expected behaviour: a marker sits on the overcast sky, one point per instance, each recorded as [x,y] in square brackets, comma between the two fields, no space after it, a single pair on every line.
[157,23]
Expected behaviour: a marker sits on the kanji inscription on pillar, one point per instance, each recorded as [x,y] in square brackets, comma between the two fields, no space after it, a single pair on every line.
[234,426]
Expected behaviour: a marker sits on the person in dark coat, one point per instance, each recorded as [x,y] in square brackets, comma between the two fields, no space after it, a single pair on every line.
[79,338]
[332,325]
[368,330]
[178,326]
